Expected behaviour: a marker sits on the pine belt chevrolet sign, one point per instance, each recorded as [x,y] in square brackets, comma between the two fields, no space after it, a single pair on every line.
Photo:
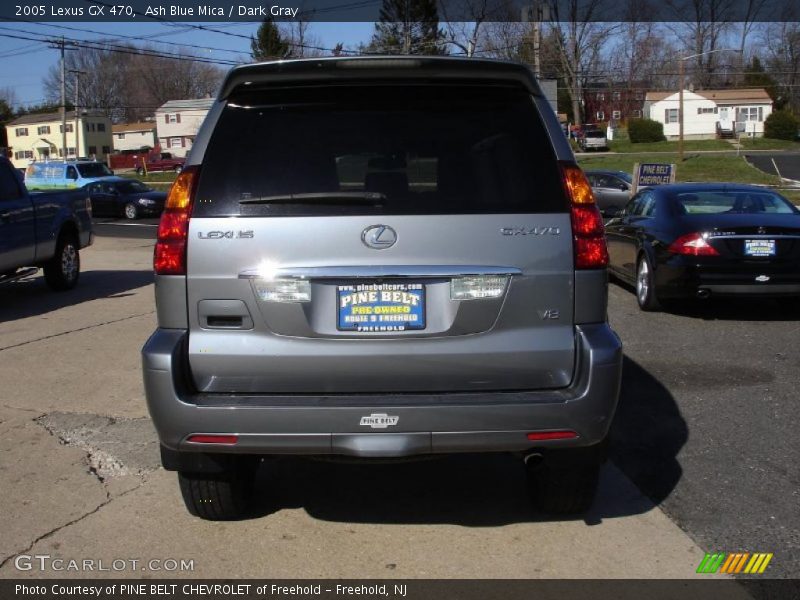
[650,174]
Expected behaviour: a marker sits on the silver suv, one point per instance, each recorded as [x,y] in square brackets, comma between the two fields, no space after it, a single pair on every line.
[381,257]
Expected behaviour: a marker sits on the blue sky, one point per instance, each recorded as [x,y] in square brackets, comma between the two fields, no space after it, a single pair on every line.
[25,63]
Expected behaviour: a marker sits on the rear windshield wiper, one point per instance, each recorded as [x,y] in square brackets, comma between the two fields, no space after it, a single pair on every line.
[318,198]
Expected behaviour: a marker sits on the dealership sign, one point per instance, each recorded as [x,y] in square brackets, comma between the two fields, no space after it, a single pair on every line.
[650,174]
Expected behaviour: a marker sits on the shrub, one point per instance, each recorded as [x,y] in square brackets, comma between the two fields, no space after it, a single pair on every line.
[781,125]
[645,130]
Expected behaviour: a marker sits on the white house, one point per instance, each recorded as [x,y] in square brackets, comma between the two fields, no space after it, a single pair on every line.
[711,113]
[134,136]
[177,122]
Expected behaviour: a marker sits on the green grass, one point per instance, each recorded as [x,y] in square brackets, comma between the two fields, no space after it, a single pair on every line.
[793,195]
[695,167]
[768,144]
[688,145]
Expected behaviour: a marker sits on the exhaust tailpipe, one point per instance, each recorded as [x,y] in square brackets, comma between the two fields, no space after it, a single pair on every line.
[703,294]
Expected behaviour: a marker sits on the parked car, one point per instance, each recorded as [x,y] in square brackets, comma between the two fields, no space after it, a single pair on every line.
[612,190]
[65,174]
[41,230]
[387,309]
[592,138]
[125,197]
[698,240]
[159,162]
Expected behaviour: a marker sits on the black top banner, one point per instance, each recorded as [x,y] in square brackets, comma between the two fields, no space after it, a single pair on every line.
[145,11]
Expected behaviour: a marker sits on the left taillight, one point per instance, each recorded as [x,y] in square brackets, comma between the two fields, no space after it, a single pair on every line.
[588,232]
[169,257]
[693,244]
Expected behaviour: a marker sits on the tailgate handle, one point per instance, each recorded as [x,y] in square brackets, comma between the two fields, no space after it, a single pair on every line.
[224,314]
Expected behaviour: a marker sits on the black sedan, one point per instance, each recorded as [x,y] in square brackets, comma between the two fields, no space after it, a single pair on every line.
[124,197]
[612,190]
[694,240]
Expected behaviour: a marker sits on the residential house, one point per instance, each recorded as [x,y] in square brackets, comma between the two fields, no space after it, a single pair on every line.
[711,113]
[614,102]
[178,121]
[38,137]
[134,136]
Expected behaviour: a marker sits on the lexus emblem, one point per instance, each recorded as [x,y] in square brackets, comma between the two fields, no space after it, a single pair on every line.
[379,237]
[762,230]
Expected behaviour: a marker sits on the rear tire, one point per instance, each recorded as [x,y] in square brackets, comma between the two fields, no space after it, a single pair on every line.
[63,270]
[645,285]
[140,171]
[568,490]
[178,169]
[217,497]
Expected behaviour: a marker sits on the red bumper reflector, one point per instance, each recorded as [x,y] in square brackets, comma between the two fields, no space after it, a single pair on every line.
[213,439]
[538,436]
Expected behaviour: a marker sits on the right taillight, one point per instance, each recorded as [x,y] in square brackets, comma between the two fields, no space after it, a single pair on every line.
[693,244]
[588,233]
[169,257]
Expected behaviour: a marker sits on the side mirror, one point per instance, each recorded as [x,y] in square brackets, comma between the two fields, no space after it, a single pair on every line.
[624,187]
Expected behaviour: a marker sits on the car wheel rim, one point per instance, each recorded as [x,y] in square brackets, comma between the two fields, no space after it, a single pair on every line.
[130,212]
[69,262]
[643,281]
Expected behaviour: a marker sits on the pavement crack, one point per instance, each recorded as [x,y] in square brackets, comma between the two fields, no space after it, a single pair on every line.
[95,325]
[55,530]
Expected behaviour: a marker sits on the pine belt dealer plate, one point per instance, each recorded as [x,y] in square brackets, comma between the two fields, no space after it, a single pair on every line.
[759,247]
[378,307]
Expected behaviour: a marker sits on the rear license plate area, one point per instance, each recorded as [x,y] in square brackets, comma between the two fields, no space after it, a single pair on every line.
[380,306]
[759,248]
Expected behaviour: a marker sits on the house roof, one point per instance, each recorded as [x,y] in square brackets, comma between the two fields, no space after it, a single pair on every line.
[731,96]
[124,127]
[192,104]
[47,118]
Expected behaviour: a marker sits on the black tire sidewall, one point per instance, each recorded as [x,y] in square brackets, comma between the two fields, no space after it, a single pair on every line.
[53,271]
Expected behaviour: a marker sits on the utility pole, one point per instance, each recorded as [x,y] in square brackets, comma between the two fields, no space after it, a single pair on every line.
[63,102]
[77,74]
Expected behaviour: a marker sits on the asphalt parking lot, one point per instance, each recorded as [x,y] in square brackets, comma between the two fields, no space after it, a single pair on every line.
[704,454]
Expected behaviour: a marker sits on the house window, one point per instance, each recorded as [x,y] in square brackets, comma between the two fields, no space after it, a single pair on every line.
[616,115]
[706,110]
[600,115]
[176,142]
[636,114]
[90,127]
[106,150]
[92,150]
[69,128]
[751,113]
[43,129]
[101,127]
[639,96]
[601,96]
[616,96]
[172,118]
[21,131]
[120,136]
[670,115]
[70,152]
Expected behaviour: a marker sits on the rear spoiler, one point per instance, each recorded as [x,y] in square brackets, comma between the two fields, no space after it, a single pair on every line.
[326,70]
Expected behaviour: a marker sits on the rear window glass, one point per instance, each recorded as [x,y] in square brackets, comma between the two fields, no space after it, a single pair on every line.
[379,149]
[738,202]
[595,134]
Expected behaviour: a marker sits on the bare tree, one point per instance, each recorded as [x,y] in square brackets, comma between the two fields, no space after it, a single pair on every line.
[466,22]
[782,44]
[579,41]
[9,96]
[303,44]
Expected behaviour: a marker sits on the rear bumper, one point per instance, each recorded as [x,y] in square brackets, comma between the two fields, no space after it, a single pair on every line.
[425,423]
[681,279]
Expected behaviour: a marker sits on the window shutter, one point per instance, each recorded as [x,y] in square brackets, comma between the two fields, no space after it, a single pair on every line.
[666,115]
[166,117]
[177,117]
[183,142]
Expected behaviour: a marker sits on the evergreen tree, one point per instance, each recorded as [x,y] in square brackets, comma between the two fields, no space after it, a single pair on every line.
[756,76]
[268,43]
[408,27]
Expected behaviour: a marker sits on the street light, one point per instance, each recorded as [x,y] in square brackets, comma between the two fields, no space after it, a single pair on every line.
[680,93]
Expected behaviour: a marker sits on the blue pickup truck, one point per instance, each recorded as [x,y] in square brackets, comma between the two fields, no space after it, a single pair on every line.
[41,230]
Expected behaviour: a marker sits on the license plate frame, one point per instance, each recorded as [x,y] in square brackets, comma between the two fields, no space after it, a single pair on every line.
[362,307]
[760,248]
